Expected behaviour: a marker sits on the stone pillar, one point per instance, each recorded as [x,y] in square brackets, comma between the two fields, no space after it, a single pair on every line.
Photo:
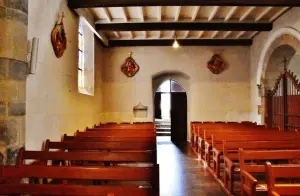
[13,73]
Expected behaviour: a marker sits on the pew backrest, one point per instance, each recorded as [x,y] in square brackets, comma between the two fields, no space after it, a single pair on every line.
[88,146]
[283,172]
[44,156]
[13,187]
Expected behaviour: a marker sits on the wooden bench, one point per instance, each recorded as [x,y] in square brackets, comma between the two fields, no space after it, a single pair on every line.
[107,139]
[206,135]
[216,145]
[116,133]
[249,184]
[218,139]
[286,172]
[127,126]
[231,158]
[67,158]
[10,180]
[110,146]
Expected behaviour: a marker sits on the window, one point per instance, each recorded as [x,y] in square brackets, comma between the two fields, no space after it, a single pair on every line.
[80,57]
[86,61]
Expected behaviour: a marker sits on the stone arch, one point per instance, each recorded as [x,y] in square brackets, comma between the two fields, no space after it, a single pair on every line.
[180,77]
[288,37]
[285,36]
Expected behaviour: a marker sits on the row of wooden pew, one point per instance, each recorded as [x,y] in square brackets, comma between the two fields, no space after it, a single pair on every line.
[108,160]
[236,154]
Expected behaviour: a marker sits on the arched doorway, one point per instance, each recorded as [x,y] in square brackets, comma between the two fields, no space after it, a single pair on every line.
[283,89]
[170,104]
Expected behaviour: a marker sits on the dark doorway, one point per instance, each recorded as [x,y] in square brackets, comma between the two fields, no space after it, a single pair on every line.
[178,117]
[170,105]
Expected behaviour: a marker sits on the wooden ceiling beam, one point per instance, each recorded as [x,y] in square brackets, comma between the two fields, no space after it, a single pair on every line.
[109,19]
[91,23]
[230,13]
[246,14]
[141,10]
[176,18]
[130,3]
[240,34]
[182,42]
[227,34]
[185,26]
[279,13]
[194,16]
[263,13]
[200,34]
[214,35]
[159,18]
[213,13]
[126,20]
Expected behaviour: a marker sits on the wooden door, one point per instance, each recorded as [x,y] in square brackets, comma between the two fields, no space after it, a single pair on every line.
[178,117]
[157,100]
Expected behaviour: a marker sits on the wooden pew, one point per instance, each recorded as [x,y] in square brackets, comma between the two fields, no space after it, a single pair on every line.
[216,145]
[96,146]
[286,172]
[243,136]
[10,183]
[67,158]
[127,126]
[249,184]
[116,133]
[231,158]
[107,139]
[206,134]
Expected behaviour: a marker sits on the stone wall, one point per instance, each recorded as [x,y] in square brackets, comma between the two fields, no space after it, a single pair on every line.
[13,73]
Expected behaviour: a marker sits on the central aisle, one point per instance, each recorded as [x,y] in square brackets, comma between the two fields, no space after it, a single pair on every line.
[181,173]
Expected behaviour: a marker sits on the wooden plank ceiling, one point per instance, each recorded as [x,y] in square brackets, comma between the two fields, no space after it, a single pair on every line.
[215,24]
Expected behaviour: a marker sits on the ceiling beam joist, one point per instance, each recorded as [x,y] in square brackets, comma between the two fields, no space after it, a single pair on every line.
[129,3]
[159,18]
[213,13]
[231,12]
[109,19]
[186,26]
[126,20]
[182,42]
[91,23]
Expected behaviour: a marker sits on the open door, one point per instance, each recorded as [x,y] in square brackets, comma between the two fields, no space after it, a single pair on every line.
[178,117]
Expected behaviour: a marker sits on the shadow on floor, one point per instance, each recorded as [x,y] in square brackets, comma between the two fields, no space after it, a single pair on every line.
[182,173]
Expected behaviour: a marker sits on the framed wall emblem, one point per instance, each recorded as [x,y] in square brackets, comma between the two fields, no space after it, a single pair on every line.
[130,67]
[216,65]
[58,37]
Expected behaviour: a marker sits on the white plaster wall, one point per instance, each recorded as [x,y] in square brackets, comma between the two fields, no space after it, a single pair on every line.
[210,97]
[290,19]
[294,65]
[54,105]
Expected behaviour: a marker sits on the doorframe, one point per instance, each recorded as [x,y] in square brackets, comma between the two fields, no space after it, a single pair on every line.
[184,80]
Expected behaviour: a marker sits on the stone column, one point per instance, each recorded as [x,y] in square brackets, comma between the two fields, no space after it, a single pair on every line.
[13,73]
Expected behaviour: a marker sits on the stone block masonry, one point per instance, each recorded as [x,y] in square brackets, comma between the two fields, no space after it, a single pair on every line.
[13,74]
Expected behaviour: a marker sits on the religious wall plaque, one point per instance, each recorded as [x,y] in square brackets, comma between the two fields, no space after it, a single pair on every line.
[130,67]
[58,37]
[216,64]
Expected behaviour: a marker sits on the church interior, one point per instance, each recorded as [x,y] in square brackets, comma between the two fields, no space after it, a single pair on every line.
[150,97]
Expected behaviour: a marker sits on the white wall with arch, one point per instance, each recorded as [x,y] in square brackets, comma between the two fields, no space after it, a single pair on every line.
[286,32]
[208,94]
[182,78]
